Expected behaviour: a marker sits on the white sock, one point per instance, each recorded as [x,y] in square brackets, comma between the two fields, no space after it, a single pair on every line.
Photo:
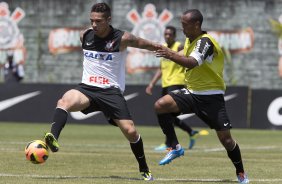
[178,147]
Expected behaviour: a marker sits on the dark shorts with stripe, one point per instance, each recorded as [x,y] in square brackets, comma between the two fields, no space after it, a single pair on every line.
[168,89]
[209,108]
[110,101]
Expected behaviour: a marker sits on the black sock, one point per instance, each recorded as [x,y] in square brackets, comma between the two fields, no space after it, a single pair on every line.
[167,142]
[183,126]
[166,123]
[138,151]
[59,121]
[235,156]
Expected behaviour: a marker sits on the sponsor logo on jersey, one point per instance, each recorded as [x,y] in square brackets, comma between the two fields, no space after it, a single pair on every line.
[99,80]
[98,56]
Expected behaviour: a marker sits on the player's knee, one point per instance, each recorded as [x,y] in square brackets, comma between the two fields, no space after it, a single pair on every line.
[62,103]
[132,131]
[159,106]
[131,134]
[228,143]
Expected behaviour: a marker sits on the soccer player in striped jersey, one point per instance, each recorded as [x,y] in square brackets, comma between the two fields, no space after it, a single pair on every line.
[103,82]
[204,61]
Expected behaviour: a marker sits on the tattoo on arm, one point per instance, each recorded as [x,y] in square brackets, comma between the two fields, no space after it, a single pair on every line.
[137,42]
[132,40]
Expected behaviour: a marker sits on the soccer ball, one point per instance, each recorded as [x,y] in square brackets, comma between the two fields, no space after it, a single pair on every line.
[36,151]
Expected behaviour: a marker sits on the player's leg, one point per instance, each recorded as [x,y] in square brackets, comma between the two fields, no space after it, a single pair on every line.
[234,153]
[128,129]
[164,107]
[167,144]
[179,123]
[185,127]
[211,109]
[72,100]
[114,107]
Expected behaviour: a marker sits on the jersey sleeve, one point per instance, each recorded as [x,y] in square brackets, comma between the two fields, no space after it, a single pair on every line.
[85,34]
[203,50]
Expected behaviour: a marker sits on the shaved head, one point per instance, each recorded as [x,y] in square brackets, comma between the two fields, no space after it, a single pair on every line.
[195,15]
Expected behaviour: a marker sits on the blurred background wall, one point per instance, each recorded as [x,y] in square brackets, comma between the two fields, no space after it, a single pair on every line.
[242,26]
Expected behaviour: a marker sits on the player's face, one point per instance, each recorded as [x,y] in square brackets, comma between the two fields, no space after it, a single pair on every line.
[188,25]
[99,22]
[169,36]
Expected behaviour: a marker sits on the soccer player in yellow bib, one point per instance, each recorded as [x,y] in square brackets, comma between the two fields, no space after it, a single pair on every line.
[172,76]
[204,61]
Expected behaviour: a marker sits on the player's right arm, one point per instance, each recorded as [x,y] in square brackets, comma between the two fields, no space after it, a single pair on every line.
[82,33]
[188,62]
[203,50]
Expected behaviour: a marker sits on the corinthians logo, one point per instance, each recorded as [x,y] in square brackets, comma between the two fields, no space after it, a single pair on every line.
[109,45]
[149,26]
[11,40]
[10,36]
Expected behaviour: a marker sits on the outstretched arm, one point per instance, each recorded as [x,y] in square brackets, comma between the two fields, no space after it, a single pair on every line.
[203,50]
[177,57]
[130,40]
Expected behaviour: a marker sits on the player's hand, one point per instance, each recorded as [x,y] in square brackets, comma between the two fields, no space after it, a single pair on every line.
[163,52]
[149,89]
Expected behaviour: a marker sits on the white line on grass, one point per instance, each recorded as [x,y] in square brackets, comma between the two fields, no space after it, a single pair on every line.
[125,178]
[198,148]
[149,149]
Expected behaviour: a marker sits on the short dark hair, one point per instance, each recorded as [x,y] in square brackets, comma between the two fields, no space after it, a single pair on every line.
[172,28]
[103,8]
[196,15]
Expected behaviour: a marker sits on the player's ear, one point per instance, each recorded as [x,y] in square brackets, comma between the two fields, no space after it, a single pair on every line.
[109,19]
[198,25]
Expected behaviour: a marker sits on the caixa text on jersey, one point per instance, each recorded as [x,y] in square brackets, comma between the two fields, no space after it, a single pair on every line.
[98,56]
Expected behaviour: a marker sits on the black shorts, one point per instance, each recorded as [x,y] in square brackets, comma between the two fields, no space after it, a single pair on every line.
[110,101]
[168,89]
[209,108]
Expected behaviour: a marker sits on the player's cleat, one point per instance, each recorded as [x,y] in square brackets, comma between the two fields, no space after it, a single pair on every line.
[147,176]
[171,155]
[242,178]
[161,147]
[193,136]
[51,142]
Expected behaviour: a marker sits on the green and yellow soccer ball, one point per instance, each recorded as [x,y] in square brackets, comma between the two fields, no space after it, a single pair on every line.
[36,151]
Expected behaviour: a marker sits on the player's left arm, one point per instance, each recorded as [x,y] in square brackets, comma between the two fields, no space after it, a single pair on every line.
[130,40]
[203,50]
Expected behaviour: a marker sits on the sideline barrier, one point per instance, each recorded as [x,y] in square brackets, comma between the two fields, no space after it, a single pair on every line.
[266,111]
[36,102]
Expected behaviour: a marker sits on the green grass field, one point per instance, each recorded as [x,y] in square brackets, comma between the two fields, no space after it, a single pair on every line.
[100,154]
